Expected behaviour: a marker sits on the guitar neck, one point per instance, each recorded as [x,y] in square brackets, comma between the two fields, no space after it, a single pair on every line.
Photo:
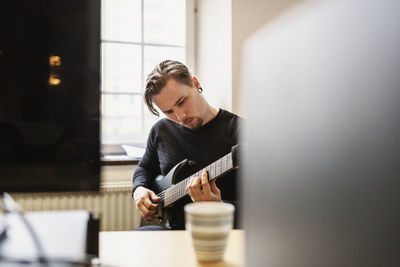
[215,170]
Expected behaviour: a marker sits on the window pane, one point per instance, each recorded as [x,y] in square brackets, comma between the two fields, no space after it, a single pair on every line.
[155,54]
[125,118]
[122,130]
[150,120]
[121,105]
[121,20]
[121,67]
[122,119]
[164,22]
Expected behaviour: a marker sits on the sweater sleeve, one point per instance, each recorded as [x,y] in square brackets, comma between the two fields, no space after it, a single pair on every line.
[148,166]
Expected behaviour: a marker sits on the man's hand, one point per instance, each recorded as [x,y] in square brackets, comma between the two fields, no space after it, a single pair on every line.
[144,199]
[199,189]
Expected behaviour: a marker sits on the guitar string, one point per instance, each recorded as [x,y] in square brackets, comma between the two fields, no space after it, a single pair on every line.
[178,190]
[178,187]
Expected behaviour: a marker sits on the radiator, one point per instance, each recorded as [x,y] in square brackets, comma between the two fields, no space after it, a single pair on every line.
[113,205]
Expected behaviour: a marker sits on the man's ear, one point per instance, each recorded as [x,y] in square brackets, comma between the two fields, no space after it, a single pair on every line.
[196,82]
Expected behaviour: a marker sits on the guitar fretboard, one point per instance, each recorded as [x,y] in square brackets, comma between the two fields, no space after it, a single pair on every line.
[215,170]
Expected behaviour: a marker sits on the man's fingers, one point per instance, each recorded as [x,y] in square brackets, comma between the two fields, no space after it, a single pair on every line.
[201,189]
[154,197]
[204,182]
[145,206]
[149,205]
[151,213]
[196,181]
[193,187]
[144,202]
[196,185]
[214,188]
[146,213]
[148,216]
[142,209]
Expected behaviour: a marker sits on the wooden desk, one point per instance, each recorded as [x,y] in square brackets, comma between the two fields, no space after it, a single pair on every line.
[162,249]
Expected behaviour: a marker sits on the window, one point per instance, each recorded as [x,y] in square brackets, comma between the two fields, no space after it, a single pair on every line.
[136,36]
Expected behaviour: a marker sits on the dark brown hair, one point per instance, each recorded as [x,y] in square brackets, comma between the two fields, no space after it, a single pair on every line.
[158,78]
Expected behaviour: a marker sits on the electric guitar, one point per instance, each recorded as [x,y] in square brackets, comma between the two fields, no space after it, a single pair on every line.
[172,188]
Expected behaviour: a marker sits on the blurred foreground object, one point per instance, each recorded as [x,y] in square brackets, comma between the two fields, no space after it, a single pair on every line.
[321,171]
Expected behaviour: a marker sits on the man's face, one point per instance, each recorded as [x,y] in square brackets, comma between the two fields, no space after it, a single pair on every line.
[182,104]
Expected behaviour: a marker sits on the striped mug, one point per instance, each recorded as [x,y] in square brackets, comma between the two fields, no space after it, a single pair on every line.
[209,224]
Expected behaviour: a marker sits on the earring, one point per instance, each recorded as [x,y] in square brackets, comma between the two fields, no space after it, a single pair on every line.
[200,89]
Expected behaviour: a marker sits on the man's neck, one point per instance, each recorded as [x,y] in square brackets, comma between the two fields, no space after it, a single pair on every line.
[211,114]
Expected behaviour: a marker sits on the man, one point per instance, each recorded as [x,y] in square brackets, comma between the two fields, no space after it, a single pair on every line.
[194,130]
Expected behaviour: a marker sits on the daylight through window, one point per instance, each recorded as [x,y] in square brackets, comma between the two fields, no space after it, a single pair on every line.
[136,35]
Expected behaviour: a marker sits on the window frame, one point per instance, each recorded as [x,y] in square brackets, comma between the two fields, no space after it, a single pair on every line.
[115,148]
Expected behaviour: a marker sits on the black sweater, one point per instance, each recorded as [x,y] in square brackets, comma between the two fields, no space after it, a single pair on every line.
[169,143]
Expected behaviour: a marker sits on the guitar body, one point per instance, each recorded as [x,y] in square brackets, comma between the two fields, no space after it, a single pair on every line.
[175,175]
[178,173]
[171,188]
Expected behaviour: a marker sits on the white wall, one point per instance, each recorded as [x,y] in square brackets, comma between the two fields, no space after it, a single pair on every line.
[117,174]
[247,17]
[222,27]
[213,65]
